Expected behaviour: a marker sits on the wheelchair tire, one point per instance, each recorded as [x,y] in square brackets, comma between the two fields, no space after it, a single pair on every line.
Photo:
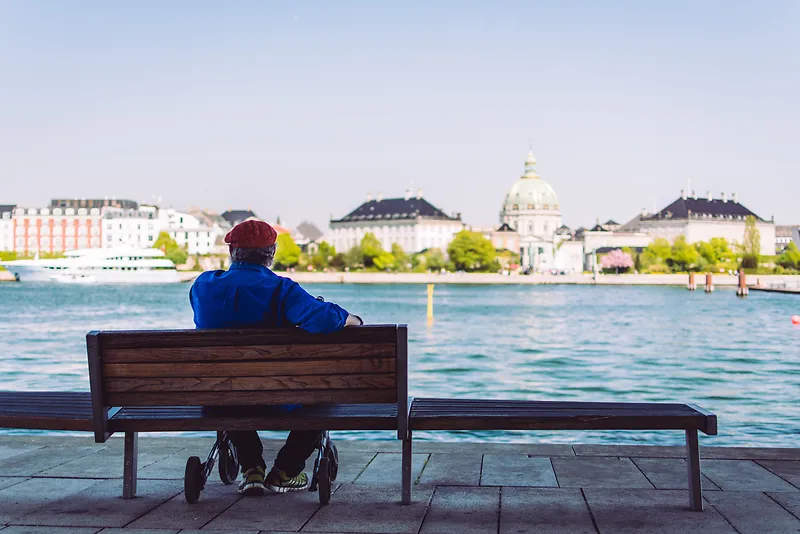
[193,480]
[228,464]
[324,479]
[333,457]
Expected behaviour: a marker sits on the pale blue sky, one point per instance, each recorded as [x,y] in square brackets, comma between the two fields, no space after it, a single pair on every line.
[300,109]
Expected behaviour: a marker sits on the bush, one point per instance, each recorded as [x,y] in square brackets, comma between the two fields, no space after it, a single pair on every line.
[657,268]
[749,261]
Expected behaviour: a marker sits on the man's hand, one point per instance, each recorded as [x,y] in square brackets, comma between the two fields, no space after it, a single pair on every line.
[353,320]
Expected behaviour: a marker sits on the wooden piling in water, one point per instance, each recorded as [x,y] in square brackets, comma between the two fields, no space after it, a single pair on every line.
[709,283]
[742,290]
[692,284]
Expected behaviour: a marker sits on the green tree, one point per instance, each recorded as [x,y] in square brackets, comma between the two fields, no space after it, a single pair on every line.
[371,248]
[324,255]
[751,247]
[287,254]
[660,248]
[384,261]
[707,251]
[401,259]
[354,258]
[790,258]
[470,251]
[683,256]
[174,252]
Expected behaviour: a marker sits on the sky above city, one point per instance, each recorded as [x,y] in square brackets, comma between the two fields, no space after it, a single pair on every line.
[300,109]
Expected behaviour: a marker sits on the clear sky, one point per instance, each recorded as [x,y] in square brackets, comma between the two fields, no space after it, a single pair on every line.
[299,109]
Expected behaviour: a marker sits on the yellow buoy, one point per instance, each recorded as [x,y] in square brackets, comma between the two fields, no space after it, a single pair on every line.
[430,302]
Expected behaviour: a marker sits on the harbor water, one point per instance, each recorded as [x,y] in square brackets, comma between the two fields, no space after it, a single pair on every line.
[739,358]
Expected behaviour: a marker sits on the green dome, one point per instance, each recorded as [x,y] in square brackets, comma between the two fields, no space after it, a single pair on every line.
[530,192]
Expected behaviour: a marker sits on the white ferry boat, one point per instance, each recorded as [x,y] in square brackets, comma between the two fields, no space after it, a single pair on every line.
[119,265]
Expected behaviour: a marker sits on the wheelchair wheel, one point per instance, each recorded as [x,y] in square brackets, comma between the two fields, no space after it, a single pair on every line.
[324,480]
[228,464]
[333,458]
[193,480]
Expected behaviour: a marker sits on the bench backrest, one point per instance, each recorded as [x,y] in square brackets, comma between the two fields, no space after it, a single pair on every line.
[358,365]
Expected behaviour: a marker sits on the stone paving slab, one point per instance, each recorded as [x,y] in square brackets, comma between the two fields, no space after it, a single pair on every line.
[17,529]
[371,509]
[139,531]
[352,464]
[531,449]
[789,501]
[544,511]
[642,451]
[39,459]
[35,493]
[108,462]
[787,470]
[669,473]
[463,510]
[718,453]
[386,469]
[442,469]
[6,482]
[599,473]
[177,513]
[13,448]
[743,475]
[517,470]
[653,511]
[101,505]
[754,513]
[289,510]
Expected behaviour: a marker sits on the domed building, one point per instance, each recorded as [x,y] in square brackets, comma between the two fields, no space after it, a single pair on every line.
[531,208]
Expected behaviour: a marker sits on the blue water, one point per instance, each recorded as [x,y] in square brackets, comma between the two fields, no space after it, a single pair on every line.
[739,358]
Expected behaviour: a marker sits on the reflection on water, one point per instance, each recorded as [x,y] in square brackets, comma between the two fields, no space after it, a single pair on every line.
[737,357]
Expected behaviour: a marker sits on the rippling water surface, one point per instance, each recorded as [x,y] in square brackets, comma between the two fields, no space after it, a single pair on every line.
[739,358]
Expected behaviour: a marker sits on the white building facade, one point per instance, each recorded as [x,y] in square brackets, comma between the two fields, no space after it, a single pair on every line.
[411,222]
[531,208]
[188,231]
[703,218]
[6,229]
[133,227]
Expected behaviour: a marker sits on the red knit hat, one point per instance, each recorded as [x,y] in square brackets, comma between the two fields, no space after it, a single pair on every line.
[251,234]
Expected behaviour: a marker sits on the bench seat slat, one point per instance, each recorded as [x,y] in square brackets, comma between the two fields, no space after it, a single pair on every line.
[142,339]
[246,383]
[195,418]
[467,414]
[228,369]
[250,353]
[46,410]
[235,398]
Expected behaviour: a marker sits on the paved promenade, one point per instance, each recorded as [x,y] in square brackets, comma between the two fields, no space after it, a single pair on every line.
[70,485]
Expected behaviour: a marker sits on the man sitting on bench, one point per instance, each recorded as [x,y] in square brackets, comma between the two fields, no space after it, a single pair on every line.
[250,295]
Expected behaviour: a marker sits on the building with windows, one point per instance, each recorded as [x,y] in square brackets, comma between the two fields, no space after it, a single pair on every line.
[134,227]
[783,236]
[6,227]
[411,222]
[700,219]
[56,230]
[189,231]
[89,203]
[531,209]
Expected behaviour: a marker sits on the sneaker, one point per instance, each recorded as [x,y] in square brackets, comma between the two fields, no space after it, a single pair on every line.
[253,482]
[278,482]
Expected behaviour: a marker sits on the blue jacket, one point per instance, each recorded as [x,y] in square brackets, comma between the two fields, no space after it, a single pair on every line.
[252,296]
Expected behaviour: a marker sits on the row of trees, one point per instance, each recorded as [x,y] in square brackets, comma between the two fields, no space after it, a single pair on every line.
[715,255]
[468,251]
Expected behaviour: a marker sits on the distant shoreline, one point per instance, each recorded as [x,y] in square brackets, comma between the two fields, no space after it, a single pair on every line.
[498,279]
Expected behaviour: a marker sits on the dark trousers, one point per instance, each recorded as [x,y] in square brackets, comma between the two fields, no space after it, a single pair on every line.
[291,458]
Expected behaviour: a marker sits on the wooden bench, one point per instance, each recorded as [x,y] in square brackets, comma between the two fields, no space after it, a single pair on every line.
[46,410]
[158,381]
[465,414]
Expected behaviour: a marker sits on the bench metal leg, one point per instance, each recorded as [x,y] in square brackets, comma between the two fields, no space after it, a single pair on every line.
[693,459]
[131,461]
[406,497]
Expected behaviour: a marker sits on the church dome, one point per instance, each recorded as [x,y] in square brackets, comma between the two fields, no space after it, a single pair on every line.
[530,192]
